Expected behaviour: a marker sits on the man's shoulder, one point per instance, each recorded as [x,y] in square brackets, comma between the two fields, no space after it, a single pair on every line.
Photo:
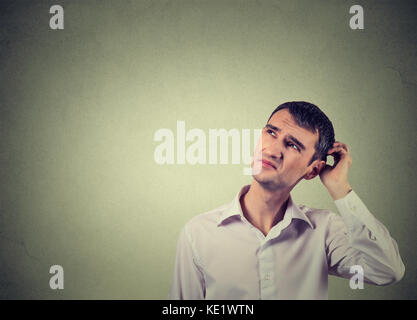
[318,217]
[207,219]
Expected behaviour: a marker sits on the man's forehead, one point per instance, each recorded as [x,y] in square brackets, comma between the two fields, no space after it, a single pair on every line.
[283,119]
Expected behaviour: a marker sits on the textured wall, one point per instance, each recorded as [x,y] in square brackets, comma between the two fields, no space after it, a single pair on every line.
[79,108]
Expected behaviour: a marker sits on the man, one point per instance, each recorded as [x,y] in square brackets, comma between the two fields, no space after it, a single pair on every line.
[264,246]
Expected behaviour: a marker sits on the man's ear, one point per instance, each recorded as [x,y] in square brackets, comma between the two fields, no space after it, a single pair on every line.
[316,167]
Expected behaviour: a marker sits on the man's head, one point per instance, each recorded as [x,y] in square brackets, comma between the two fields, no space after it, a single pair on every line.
[310,117]
[295,140]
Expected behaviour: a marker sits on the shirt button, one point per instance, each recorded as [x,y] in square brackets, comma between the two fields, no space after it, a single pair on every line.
[267,276]
[371,236]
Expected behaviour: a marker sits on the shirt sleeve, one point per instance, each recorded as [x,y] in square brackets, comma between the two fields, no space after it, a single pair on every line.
[188,280]
[356,237]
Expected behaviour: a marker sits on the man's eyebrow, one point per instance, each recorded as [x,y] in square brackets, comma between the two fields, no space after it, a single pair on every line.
[270,126]
[300,144]
[297,142]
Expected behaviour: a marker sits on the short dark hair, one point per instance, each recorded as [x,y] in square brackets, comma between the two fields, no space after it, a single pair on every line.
[310,117]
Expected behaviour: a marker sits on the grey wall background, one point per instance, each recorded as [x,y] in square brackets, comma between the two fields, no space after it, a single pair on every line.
[79,107]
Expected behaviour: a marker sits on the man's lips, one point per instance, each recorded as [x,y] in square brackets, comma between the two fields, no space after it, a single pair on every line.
[268,164]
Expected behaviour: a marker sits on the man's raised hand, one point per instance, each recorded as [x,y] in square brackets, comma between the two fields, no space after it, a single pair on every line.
[335,178]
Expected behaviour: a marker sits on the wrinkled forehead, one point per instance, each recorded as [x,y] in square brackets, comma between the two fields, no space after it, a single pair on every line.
[284,121]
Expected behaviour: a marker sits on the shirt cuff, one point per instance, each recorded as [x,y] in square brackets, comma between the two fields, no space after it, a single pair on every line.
[355,213]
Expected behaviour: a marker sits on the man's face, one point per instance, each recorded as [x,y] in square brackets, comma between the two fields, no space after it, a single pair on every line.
[284,156]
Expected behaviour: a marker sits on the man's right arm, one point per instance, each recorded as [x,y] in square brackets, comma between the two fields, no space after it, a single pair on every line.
[188,280]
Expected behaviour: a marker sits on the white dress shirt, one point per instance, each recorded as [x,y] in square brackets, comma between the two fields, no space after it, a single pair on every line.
[221,255]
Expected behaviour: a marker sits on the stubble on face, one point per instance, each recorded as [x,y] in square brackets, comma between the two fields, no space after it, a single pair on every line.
[269,181]
[274,179]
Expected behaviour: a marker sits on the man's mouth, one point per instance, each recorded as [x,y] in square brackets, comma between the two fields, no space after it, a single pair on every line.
[268,164]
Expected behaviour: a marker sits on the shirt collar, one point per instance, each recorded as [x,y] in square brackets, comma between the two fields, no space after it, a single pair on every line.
[234,209]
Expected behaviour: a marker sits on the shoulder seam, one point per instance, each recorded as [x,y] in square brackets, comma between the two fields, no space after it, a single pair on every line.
[193,248]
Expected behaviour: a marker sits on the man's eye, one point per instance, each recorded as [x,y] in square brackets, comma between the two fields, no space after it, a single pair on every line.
[292,145]
[271,132]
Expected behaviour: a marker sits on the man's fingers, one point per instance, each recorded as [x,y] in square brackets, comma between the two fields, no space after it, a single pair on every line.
[341,144]
[340,154]
[339,147]
[340,150]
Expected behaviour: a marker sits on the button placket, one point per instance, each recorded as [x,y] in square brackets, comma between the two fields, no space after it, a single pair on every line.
[266,269]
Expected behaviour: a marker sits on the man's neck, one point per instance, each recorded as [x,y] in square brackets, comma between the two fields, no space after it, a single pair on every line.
[264,208]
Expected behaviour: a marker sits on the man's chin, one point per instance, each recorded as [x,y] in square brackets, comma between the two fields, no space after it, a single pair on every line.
[259,168]
[264,178]
[268,181]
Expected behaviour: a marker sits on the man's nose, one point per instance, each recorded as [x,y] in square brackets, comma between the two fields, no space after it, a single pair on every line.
[276,156]
[273,151]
